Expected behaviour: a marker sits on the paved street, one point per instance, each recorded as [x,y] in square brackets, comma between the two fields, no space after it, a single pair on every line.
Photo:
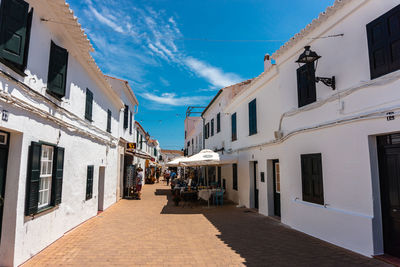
[154,232]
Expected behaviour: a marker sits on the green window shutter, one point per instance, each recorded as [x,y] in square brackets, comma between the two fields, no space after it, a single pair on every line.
[311,173]
[89,105]
[234,177]
[212,127]
[252,117]
[130,122]
[14,24]
[109,121]
[89,182]
[33,179]
[126,117]
[58,171]
[306,90]
[57,76]
[218,122]
[233,124]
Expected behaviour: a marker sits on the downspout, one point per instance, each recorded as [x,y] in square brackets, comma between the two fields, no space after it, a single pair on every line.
[204,137]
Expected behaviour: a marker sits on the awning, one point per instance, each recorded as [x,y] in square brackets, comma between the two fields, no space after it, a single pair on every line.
[139,155]
[175,162]
[207,157]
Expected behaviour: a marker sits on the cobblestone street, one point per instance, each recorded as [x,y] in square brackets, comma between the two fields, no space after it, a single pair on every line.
[155,232]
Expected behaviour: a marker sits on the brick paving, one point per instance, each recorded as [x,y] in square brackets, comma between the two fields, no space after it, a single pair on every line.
[154,232]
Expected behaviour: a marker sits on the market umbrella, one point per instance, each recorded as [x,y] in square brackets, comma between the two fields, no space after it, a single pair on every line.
[207,157]
[175,162]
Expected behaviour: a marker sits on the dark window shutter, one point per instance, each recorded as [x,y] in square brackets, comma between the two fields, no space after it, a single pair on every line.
[126,117]
[384,43]
[137,137]
[109,121]
[312,185]
[233,124]
[57,77]
[218,122]
[14,24]
[58,171]
[130,122]
[306,90]
[89,105]
[33,179]
[212,127]
[234,177]
[252,117]
[89,182]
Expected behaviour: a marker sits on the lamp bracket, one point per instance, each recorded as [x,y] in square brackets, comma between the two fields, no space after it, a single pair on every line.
[330,82]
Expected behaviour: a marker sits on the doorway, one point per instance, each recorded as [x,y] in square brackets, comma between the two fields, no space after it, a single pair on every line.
[277,187]
[4,144]
[256,182]
[389,176]
[102,172]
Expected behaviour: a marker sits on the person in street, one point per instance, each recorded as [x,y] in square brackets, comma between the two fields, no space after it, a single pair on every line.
[158,173]
[139,181]
[166,176]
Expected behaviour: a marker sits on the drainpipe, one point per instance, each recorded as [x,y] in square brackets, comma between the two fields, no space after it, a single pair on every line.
[204,137]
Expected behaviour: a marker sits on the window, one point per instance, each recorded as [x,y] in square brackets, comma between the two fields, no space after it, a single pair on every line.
[207,133]
[218,122]
[109,121]
[212,127]
[233,124]
[188,144]
[45,176]
[137,136]
[89,105]
[306,91]
[253,117]
[155,152]
[89,182]
[384,43]
[311,174]
[57,75]
[130,122]
[141,141]
[15,33]
[234,177]
[126,117]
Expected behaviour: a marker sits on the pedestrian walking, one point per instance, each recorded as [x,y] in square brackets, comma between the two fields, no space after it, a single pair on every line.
[166,176]
[158,173]
[139,181]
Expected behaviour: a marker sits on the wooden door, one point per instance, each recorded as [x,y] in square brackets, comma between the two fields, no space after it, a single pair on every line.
[277,188]
[389,168]
[4,141]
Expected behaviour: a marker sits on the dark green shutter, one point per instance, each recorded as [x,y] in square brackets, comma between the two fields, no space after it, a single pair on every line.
[109,121]
[14,24]
[253,117]
[58,171]
[89,105]
[234,177]
[233,125]
[89,182]
[212,127]
[130,122]
[218,122]
[311,173]
[33,179]
[306,91]
[57,76]
[126,117]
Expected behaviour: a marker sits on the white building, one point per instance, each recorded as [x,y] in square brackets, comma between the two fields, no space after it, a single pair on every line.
[59,132]
[193,135]
[326,159]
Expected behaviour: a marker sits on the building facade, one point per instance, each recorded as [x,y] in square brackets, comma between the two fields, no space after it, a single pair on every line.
[318,151]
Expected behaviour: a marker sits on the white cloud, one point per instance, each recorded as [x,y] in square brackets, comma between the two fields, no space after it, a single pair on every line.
[109,20]
[213,75]
[172,100]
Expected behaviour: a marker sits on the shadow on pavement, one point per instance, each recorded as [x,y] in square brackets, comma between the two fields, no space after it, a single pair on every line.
[263,241]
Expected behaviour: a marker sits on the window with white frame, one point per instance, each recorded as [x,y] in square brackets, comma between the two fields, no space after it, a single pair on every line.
[46,174]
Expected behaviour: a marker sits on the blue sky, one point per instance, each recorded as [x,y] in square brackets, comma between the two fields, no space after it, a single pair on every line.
[150,44]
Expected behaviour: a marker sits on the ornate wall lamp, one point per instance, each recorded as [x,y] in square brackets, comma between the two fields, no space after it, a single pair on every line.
[309,57]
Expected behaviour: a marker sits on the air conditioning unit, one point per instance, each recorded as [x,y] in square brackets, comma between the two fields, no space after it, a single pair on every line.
[278,134]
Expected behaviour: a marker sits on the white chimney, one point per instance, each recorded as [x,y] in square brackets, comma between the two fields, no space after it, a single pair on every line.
[267,62]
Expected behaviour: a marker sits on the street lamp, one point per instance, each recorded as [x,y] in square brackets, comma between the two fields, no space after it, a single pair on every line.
[309,57]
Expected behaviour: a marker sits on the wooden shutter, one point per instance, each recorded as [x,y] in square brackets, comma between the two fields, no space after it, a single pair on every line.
[252,117]
[58,171]
[126,117]
[57,76]
[233,124]
[218,122]
[89,182]
[306,90]
[234,177]
[89,105]
[14,24]
[130,122]
[212,127]
[384,43]
[109,121]
[33,179]
[312,185]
